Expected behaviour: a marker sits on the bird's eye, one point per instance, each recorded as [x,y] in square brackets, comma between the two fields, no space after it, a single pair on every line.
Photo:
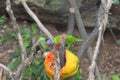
[49,42]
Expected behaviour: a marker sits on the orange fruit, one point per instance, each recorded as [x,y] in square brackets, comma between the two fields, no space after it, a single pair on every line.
[70,68]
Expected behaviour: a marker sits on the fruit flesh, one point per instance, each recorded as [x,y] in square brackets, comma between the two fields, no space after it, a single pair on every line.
[70,68]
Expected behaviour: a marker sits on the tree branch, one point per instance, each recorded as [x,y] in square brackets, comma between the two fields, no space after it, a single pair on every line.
[71,21]
[17,29]
[35,18]
[83,34]
[102,22]
[41,26]
[57,64]
[16,75]
[6,69]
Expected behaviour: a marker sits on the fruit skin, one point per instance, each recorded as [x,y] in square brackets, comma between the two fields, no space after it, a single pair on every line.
[70,68]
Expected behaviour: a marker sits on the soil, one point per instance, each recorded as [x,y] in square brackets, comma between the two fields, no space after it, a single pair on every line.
[108,60]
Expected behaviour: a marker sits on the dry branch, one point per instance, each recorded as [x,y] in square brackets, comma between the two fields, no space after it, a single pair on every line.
[6,69]
[83,34]
[35,18]
[42,27]
[57,65]
[17,75]
[17,29]
[71,21]
[102,22]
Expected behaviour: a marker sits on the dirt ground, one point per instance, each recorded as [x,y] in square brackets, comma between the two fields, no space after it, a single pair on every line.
[108,59]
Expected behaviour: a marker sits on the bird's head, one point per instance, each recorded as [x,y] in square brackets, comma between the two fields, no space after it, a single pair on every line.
[61,41]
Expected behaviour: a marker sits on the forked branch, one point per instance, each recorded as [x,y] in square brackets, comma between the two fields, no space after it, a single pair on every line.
[102,22]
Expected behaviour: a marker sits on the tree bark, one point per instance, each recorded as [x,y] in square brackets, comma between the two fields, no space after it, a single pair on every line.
[60,16]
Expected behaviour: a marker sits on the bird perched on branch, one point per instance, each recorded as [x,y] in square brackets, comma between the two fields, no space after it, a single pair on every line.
[68,61]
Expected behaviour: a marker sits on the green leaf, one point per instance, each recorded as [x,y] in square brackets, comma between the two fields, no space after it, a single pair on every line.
[34,28]
[41,66]
[115,77]
[27,72]
[18,51]
[36,62]
[3,17]
[43,42]
[7,37]
[27,44]
[2,20]
[118,42]
[57,39]
[55,3]
[116,2]
[2,39]
[45,77]
[12,36]
[78,76]
[14,63]
[25,31]
[69,39]
[26,36]
[104,78]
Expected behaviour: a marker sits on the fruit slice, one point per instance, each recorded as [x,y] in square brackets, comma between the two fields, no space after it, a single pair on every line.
[70,68]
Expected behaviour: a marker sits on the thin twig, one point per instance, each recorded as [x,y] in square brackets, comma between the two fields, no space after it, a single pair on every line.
[16,75]
[27,61]
[23,66]
[37,42]
[17,28]
[4,67]
[112,33]
[35,18]
[92,67]
[102,22]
